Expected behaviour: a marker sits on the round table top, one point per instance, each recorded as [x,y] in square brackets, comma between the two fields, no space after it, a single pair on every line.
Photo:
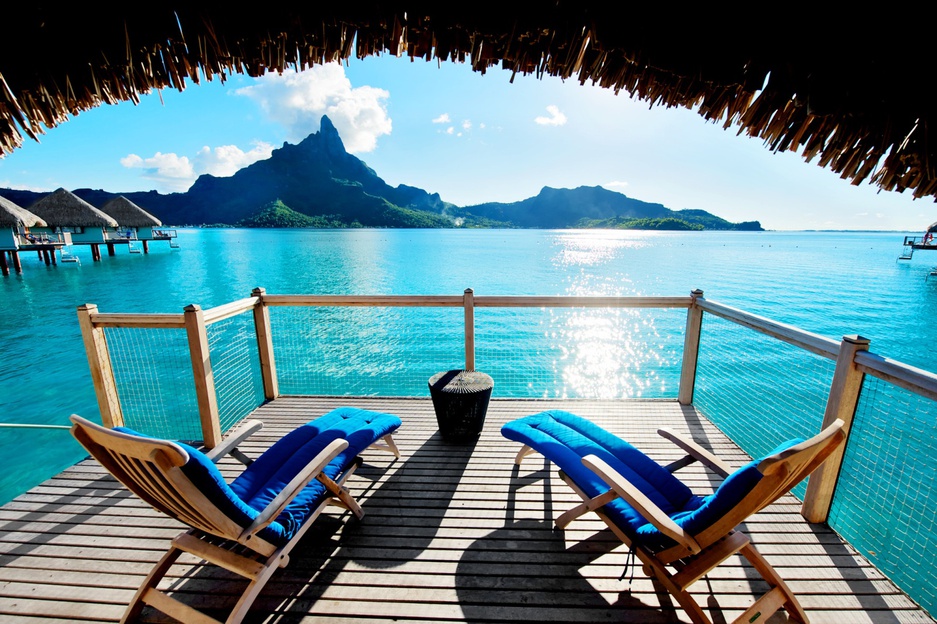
[461,381]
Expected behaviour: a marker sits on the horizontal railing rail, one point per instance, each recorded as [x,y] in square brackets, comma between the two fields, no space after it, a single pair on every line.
[226,311]
[147,321]
[913,379]
[409,301]
[814,343]
[120,236]
[479,302]
[25,240]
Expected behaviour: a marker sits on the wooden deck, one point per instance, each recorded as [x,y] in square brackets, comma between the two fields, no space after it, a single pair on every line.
[452,533]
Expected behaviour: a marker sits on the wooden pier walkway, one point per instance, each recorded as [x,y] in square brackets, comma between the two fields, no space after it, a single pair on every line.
[452,534]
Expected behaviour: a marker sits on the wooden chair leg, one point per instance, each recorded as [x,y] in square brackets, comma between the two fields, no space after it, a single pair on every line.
[391,445]
[151,581]
[655,569]
[257,584]
[794,610]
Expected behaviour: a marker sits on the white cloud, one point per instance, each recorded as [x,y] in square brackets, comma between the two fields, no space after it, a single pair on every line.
[228,159]
[299,100]
[462,129]
[170,171]
[615,185]
[174,173]
[556,118]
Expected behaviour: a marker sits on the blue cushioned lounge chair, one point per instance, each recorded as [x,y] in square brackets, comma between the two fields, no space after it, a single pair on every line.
[667,526]
[249,526]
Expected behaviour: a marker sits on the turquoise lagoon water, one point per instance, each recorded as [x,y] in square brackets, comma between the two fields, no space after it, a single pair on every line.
[830,283]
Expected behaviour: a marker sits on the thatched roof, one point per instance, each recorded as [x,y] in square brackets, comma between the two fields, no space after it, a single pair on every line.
[65,209]
[852,96]
[13,215]
[128,214]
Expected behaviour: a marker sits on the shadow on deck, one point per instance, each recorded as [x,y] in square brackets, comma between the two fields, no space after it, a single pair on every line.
[451,533]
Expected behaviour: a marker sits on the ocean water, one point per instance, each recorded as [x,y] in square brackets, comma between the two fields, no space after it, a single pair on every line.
[831,283]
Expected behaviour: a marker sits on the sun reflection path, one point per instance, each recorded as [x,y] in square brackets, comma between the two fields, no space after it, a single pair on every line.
[607,353]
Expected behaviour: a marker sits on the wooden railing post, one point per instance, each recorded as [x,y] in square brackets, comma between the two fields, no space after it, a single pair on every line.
[268,369]
[844,397]
[468,301]
[694,325]
[204,378]
[102,374]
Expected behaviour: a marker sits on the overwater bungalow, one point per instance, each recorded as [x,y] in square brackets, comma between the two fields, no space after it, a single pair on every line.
[925,241]
[21,230]
[137,223]
[461,532]
[66,213]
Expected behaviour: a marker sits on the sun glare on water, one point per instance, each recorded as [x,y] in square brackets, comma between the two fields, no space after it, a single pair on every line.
[605,353]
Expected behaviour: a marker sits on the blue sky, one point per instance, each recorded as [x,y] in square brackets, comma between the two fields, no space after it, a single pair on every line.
[471,138]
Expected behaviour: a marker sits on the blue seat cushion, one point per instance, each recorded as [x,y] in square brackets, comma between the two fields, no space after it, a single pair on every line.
[266,477]
[565,439]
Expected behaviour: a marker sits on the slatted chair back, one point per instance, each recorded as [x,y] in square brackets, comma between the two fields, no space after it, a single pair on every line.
[152,469]
[782,472]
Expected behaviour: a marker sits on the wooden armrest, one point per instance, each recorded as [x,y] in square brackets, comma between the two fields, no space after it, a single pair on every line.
[296,485]
[244,431]
[697,452]
[645,506]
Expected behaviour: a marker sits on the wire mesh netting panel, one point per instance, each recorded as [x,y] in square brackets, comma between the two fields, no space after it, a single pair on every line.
[885,497]
[386,351]
[758,390]
[154,381]
[236,368]
[584,353]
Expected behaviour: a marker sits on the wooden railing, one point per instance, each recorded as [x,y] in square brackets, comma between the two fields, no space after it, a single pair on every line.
[851,355]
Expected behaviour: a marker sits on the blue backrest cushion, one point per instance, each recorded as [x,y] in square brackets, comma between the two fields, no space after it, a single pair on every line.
[730,493]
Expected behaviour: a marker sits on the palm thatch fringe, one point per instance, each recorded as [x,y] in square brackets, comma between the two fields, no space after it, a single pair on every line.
[860,110]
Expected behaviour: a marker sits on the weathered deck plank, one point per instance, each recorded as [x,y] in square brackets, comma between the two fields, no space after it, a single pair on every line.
[452,533]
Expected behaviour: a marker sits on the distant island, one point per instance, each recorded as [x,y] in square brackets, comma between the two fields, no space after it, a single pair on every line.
[318,184]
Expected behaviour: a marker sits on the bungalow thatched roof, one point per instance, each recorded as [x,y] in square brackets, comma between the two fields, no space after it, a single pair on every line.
[128,214]
[63,208]
[852,95]
[13,215]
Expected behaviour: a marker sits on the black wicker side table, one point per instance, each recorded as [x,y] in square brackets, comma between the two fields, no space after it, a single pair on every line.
[460,399]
